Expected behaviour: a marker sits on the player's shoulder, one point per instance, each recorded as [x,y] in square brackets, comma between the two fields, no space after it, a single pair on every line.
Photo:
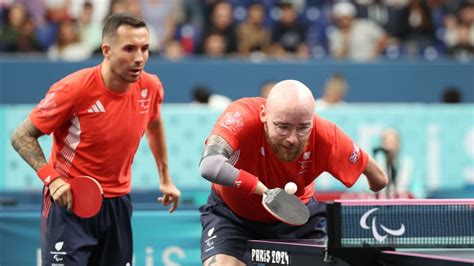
[77,80]
[324,129]
[150,80]
[246,110]
[80,76]
[250,103]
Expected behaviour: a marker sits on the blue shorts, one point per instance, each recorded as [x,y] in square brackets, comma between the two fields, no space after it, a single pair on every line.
[105,239]
[223,232]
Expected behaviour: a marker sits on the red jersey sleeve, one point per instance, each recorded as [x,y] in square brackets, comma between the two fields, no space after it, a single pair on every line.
[55,108]
[155,83]
[238,120]
[346,160]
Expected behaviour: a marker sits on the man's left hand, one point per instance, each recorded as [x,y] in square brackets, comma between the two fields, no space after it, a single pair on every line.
[171,194]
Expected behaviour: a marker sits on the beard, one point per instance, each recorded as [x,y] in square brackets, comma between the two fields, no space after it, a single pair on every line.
[284,154]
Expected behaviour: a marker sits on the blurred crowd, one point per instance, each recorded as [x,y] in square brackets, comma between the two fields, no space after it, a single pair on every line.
[360,30]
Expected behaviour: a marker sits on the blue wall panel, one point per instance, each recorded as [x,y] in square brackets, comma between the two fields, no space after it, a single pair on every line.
[26,81]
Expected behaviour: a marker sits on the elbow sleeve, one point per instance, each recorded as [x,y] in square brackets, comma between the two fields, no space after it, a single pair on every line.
[217,169]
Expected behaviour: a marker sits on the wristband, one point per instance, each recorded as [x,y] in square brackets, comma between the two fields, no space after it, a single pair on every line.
[47,174]
[246,182]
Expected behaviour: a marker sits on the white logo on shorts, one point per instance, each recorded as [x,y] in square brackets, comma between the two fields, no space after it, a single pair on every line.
[209,241]
[58,253]
[59,245]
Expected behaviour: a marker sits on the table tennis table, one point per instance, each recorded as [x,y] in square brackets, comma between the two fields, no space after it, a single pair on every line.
[304,252]
[381,233]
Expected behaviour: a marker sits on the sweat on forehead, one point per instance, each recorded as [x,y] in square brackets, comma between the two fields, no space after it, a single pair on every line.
[290,93]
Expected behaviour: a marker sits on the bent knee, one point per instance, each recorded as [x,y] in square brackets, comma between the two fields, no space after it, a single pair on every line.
[223,260]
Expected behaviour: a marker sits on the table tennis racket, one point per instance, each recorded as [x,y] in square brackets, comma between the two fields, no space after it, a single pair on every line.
[285,207]
[86,196]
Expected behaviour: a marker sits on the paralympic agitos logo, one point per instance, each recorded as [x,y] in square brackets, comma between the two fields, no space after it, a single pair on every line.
[378,236]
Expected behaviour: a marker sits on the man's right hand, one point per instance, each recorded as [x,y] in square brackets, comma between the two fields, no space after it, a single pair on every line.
[61,192]
[260,188]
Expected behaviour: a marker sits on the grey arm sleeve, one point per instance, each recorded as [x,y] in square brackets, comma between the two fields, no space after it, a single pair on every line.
[217,169]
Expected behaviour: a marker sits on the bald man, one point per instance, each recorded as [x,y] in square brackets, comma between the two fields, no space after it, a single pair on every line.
[260,144]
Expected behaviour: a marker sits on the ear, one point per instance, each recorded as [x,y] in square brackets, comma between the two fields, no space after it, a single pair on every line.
[106,50]
[263,113]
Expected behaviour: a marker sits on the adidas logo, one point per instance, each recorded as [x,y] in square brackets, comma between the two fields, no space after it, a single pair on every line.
[97,107]
[237,184]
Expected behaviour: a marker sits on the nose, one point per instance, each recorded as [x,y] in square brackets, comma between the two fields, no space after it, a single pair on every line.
[292,138]
[139,57]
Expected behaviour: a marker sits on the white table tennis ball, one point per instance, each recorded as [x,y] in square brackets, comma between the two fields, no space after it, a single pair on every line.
[291,188]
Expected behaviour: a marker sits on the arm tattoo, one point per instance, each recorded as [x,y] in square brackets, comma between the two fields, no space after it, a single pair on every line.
[213,261]
[222,143]
[25,141]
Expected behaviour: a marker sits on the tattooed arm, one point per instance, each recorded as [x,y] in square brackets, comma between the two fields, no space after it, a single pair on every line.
[215,167]
[25,141]
[217,145]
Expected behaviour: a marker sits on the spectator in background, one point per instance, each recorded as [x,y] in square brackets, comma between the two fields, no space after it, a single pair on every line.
[68,44]
[438,11]
[417,31]
[44,31]
[266,87]
[99,11]
[222,23]
[133,7]
[10,30]
[214,46]
[385,13]
[357,39]
[90,30]
[26,41]
[334,92]
[58,11]
[160,14]
[375,10]
[190,12]
[398,168]
[36,10]
[459,34]
[189,17]
[251,33]
[451,94]
[174,51]
[203,95]
[289,35]
[117,6]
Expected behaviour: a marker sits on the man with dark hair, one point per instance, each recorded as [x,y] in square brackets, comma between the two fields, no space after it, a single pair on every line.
[97,116]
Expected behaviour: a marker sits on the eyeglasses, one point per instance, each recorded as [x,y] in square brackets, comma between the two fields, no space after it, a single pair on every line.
[285,129]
